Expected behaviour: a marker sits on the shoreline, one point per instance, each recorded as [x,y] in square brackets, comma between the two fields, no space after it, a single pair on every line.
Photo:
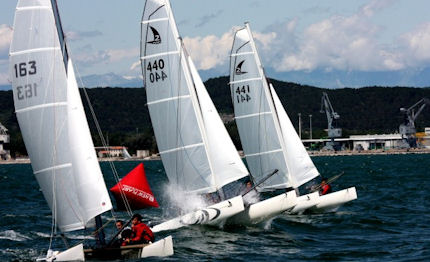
[311,153]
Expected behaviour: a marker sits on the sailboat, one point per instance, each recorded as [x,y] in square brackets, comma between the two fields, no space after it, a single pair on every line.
[55,130]
[197,153]
[268,137]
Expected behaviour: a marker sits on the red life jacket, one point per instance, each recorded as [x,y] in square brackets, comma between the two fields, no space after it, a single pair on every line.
[142,234]
[326,189]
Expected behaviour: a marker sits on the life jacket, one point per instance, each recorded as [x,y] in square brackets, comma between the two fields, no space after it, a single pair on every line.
[326,189]
[142,234]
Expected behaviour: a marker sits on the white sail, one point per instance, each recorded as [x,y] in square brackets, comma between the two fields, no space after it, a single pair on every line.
[51,117]
[255,115]
[298,160]
[226,162]
[255,104]
[183,117]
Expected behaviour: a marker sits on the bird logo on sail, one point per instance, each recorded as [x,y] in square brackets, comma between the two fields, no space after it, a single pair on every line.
[157,37]
[239,68]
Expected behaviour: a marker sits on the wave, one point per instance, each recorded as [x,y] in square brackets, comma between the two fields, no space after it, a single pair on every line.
[13,235]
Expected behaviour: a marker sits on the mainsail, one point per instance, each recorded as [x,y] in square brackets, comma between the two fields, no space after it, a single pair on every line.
[52,119]
[268,137]
[197,153]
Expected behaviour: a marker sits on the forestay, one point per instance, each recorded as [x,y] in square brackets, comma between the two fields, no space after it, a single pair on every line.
[196,151]
[51,117]
[268,137]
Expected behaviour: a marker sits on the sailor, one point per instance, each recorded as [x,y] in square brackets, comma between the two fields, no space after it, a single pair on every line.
[325,187]
[120,226]
[142,233]
[126,236]
[250,196]
[124,232]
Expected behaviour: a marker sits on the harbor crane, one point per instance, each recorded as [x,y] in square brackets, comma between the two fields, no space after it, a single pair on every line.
[332,130]
[407,129]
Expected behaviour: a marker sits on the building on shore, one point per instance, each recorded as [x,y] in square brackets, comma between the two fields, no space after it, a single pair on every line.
[142,153]
[361,142]
[112,152]
[4,141]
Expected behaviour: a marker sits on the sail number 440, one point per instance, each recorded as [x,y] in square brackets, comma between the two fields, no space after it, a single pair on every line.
[242,94]
[157,66]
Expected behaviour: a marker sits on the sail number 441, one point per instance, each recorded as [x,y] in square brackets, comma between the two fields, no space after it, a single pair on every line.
[24,69]
[157,66]
[242,94]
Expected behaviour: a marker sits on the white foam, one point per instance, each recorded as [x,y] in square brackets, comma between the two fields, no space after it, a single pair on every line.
[13,235]
[182,201]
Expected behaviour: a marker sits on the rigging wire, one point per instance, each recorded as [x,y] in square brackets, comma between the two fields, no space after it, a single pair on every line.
[104,144]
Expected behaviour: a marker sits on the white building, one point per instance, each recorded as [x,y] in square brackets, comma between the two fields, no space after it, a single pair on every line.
[4,139]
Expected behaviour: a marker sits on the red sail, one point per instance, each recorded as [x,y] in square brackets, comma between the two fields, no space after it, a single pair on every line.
[136,189]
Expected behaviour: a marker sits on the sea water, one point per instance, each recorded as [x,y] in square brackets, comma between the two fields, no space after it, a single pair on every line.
[390,220]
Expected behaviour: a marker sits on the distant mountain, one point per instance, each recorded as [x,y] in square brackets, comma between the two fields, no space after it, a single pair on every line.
[111,80]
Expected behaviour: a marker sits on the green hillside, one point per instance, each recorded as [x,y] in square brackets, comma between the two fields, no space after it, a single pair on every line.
[124,117]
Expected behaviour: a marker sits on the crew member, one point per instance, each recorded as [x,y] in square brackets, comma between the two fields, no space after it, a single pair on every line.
[142,233]
[325,187]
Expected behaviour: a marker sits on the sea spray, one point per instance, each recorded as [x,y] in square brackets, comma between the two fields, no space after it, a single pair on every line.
[181,202]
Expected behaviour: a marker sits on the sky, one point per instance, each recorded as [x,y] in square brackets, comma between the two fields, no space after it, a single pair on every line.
[291,35]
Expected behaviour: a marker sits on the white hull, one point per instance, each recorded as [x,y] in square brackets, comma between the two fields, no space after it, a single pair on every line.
[75,253]
[328,203]
[305,202]
[331,202]
[264,210]
[213,215]
[160,248]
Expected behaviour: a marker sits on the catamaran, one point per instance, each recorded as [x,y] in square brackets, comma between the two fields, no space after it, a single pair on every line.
[197,152]
[56,133]
[268,137]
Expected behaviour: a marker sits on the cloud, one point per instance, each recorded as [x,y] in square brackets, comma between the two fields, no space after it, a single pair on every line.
[207,18]
[4,79]
[347,43]
[417,45]
[135,65]
[90,58]
[79,35]
[341,43]
[209,51]
[5,39]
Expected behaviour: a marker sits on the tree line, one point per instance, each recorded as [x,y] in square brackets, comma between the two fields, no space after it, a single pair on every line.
[124,118]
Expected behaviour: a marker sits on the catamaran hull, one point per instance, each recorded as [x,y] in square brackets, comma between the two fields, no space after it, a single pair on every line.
[160,248]
[75,253]
[264,210]
[305,202]
[331,202]
[214,215]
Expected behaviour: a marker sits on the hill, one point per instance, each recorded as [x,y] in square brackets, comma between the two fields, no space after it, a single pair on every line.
[124,118]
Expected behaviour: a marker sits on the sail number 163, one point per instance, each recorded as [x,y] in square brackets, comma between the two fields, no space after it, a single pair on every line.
[155,70]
